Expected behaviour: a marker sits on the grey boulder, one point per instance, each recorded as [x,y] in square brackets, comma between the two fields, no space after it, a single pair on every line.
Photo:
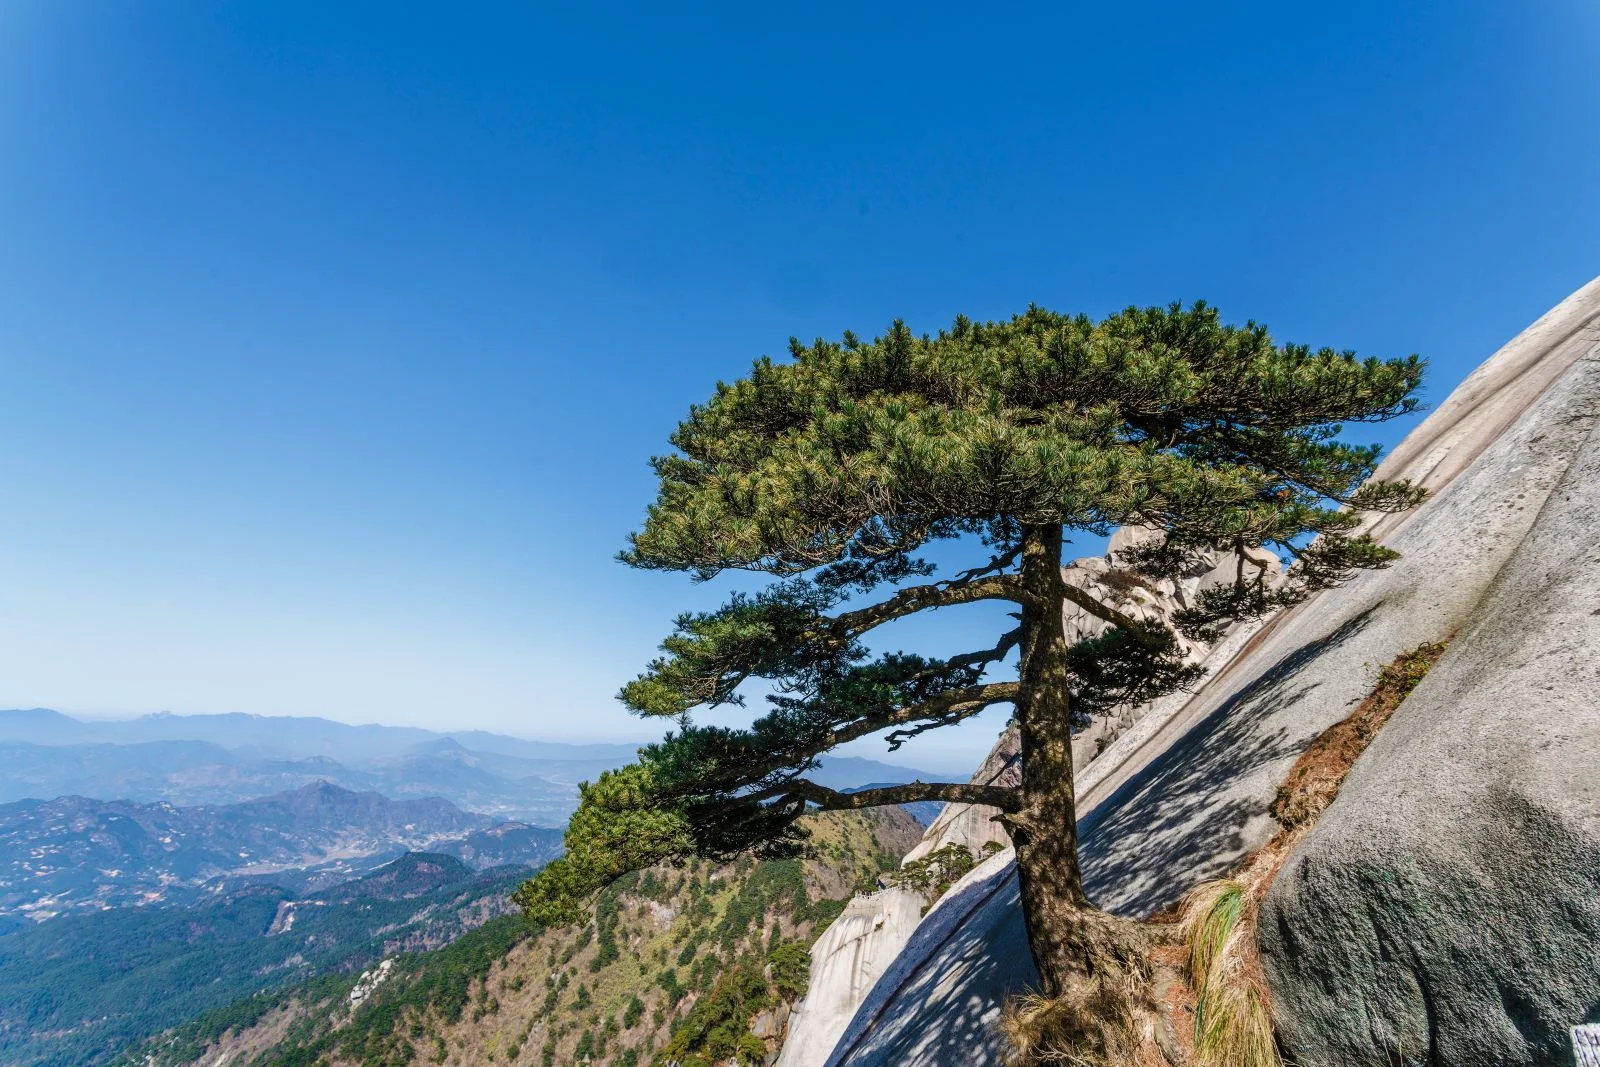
[1446,908]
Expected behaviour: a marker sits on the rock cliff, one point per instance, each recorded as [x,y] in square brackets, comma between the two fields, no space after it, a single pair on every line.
[1182,794]
[846,961]
[1446,909]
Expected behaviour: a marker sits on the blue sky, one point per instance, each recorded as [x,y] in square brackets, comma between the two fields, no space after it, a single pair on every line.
[335,337]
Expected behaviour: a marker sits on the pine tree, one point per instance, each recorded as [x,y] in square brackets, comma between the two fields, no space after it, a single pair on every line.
[831,471]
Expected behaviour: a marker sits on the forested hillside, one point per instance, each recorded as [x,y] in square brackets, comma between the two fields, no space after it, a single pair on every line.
[690,965]
[80,989]
[73,853]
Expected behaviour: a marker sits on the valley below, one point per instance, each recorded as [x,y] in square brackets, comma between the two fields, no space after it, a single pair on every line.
[172,884]
[74,853]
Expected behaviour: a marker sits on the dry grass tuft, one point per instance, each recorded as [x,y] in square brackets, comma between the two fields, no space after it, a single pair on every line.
[1065,1030]
[1315,778]
[1232,1017]
[1239,1030]
[1210,916]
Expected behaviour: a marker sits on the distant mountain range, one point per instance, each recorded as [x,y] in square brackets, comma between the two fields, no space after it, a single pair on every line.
[227,759]
[186,861]
[74,853]
[281,736]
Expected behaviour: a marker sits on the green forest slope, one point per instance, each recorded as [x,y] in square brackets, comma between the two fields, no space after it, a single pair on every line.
[78,989]
[694,965]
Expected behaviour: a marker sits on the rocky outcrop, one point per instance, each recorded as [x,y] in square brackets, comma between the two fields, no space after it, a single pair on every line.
[369,981]
[1446,909]
[974,825]
[846,962]
[1481,409]
[1112,581]
[1183,795]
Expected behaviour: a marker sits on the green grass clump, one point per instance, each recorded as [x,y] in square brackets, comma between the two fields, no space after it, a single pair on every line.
[1232,1021]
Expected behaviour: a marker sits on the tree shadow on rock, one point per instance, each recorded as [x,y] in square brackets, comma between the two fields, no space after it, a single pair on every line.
[1185,817]
[939,1003]
[1202,804]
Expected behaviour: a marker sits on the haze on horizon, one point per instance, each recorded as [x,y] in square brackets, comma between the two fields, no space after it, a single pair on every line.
[336,341]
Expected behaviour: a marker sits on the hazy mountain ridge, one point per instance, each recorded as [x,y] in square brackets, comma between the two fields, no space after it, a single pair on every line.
[76,852]
[281,736]
[409,876]
[240,893]
[227,759]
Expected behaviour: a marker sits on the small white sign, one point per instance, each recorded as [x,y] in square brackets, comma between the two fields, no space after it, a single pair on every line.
[1586,1042]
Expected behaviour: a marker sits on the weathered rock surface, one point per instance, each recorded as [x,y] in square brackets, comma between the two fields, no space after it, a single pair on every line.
[1183,795]
[846,962]
[1446,909]
[1494,395]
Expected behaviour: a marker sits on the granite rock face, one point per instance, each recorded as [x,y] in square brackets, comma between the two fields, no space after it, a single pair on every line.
[1446,909]
[846,962]
[1183,794]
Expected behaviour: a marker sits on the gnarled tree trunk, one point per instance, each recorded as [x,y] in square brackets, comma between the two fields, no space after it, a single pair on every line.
[1072,941]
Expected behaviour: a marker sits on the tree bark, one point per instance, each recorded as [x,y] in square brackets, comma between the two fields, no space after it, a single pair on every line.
[995,796]
[1045,830]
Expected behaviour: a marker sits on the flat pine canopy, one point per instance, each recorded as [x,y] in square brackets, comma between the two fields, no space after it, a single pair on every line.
[1161,417]
[831,470]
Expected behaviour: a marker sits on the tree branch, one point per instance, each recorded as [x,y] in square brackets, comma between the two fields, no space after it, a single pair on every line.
[921,597]
[1006,798]
[998,563]
[951,706]
[1139,631]
[1001,649]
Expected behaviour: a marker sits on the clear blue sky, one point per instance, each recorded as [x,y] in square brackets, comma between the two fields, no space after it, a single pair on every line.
[335,337]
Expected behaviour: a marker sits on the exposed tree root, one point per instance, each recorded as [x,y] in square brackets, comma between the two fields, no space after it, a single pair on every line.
[1104,1014]
[1140,980]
